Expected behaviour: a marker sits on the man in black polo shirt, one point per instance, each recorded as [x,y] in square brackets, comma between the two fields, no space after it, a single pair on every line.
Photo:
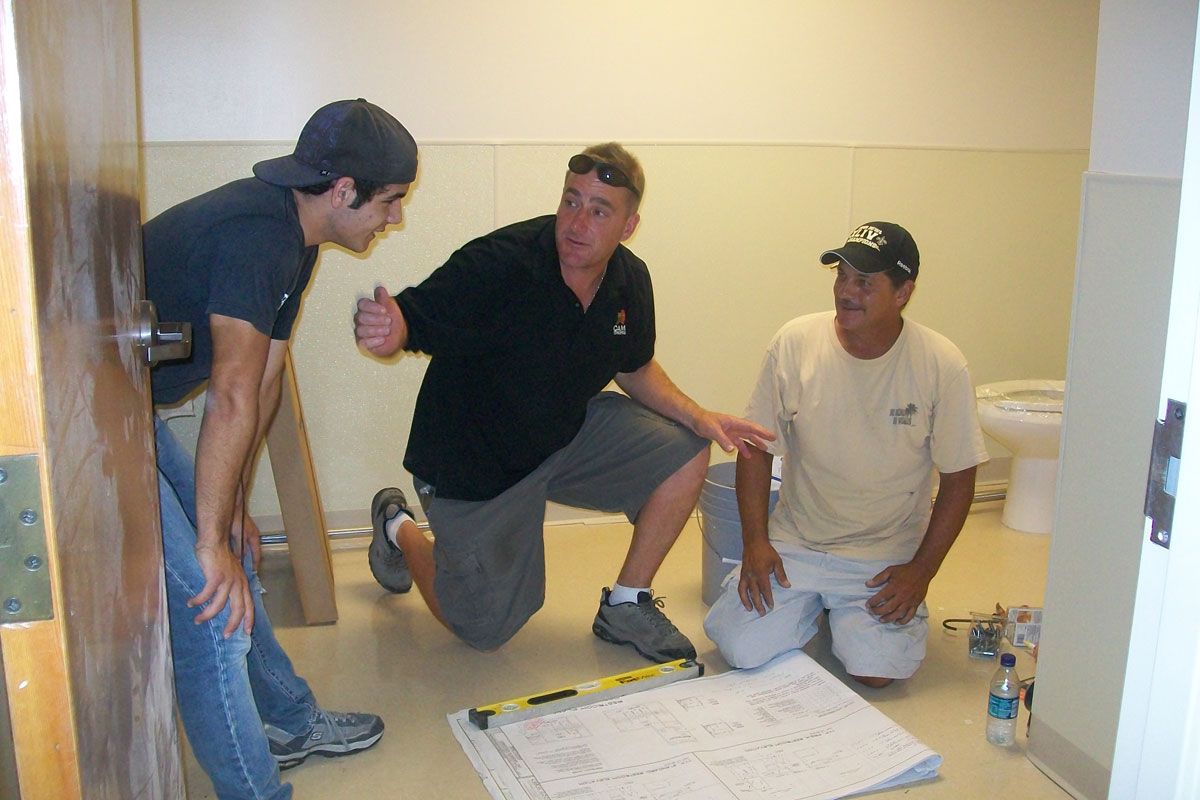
[526,326]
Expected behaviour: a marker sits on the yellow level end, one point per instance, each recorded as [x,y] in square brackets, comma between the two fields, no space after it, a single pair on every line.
[584,693]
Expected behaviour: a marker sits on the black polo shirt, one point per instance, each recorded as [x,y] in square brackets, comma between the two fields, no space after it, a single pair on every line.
[514,357]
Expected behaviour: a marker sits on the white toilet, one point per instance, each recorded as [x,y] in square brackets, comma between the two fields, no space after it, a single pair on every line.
[1026,417]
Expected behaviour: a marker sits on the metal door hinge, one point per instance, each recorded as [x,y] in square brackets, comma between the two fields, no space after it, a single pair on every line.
[24,573]
[1164,472]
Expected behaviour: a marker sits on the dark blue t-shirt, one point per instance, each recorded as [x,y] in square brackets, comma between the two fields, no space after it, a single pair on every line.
[515,358]
[237,251]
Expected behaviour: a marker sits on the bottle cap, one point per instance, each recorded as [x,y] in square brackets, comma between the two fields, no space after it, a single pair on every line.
[1008,660]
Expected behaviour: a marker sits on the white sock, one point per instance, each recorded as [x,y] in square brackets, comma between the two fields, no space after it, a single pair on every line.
[392,526]
[625,594]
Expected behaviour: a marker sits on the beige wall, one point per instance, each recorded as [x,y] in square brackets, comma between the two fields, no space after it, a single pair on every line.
[731,234]
[767,129]
[1015,74]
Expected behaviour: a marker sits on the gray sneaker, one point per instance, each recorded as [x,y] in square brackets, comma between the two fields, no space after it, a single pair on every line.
[330,733]
[387,562]
[642,625]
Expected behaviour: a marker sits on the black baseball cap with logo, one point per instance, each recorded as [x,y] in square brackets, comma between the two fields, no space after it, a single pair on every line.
[350,138]
[877,247]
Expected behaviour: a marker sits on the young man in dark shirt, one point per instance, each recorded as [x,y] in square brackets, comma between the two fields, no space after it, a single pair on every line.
[234,263]
[525,327]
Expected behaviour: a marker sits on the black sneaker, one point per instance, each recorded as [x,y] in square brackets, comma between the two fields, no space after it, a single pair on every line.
[642,625]
[330,733]
[387,562]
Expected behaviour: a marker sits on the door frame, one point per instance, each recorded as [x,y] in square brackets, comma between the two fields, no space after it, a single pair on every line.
[1159,730]
[34,655]
[89,692]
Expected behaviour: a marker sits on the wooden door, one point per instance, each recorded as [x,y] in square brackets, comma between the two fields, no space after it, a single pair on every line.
[89,689]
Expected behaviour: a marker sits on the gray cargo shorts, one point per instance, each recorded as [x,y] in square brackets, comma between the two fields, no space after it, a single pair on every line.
[490,557]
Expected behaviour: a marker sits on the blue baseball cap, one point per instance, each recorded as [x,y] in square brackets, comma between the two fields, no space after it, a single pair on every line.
[351,138]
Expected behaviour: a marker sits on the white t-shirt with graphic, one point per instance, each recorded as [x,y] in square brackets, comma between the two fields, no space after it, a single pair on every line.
[860,438]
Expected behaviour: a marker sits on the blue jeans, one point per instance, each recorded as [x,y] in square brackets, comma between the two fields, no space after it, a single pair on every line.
[226,688]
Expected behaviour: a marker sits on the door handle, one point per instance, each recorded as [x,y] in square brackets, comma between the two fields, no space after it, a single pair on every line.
[161,341]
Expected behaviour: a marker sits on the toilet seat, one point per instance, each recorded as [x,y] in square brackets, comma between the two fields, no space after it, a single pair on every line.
[1024,396]
[1048,400]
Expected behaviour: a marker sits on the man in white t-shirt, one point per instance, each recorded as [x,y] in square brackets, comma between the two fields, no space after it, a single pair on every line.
[864,406]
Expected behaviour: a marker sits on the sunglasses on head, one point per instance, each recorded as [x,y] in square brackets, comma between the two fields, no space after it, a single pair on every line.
[607,173]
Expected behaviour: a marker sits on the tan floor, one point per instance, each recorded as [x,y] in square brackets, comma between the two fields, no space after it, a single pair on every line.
[388,656]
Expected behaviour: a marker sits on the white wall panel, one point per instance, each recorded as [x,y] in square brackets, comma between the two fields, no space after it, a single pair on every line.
[1114,376]
[732,235]
[1016,74]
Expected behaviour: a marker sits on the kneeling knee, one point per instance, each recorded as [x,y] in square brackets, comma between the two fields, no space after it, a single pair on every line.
[483,641]
[874,683]
[743,652]
[483,633]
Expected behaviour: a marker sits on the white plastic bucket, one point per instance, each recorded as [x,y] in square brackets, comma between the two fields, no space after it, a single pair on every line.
[721,527]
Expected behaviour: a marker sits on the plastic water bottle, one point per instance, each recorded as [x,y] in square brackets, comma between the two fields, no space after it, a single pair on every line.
[1003,698]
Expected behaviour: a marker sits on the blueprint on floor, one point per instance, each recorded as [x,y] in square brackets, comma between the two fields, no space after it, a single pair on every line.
[788,730]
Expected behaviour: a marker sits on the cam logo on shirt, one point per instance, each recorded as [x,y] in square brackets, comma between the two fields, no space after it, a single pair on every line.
[619,328]
[904,416]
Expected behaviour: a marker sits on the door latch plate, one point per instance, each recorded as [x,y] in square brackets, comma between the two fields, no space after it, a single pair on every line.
[24,571]
[1163,482]
[161,341]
